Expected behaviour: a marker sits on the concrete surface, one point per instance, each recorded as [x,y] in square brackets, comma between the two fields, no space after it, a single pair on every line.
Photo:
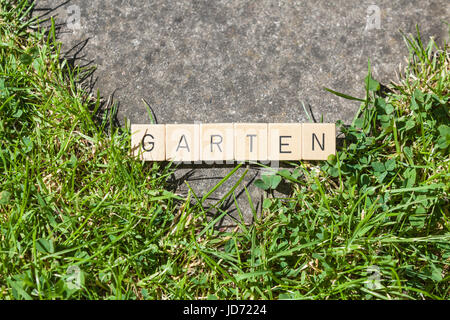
[238,61]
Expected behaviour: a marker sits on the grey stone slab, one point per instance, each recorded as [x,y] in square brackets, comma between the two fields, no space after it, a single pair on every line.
[239,61]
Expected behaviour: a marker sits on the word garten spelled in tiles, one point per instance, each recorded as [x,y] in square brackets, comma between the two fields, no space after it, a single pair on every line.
[218,142]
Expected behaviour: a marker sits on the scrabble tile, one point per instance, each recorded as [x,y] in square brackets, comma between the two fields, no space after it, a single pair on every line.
[216,142]
[284,141]
[250,141]
[182,142]
[148,141]
[318,140]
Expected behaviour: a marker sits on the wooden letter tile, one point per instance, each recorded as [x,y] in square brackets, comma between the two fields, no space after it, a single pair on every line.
[250,141]
[217,142]
[182,142]
[318,140]
[148,141]
[284,141]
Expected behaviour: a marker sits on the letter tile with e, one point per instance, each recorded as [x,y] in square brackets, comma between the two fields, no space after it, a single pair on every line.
[285,141]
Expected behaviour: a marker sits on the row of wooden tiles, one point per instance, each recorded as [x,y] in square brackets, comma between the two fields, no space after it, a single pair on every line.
[233,141]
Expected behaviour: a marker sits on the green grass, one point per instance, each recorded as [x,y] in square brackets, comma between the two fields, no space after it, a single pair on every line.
[81,219]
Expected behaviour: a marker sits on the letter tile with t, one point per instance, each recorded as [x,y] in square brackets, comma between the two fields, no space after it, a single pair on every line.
[250,141]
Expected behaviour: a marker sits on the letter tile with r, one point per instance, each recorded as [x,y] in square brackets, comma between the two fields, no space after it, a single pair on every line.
[216,141]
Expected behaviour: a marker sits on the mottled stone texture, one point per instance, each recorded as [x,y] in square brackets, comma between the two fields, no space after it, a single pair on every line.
[239,61]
